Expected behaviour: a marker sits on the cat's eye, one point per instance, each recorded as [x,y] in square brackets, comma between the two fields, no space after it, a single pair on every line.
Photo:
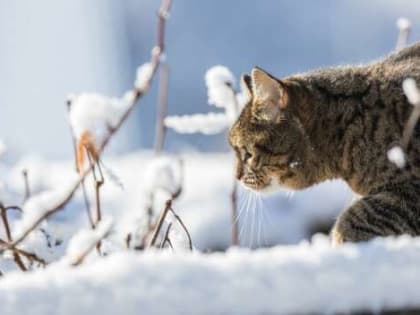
[247,156]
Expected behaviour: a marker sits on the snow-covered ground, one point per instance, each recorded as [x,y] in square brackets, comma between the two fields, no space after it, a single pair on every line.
[298,274]
[303,278]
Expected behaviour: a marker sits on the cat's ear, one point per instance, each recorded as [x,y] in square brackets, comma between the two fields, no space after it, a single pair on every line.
[246,85]
[269,95]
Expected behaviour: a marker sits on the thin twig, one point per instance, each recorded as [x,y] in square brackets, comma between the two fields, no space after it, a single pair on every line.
[82,184]
[169,242]
[234,210]
[16,257]
[98,182]
[138,93]
[162,108]
[166,237]
[233,195]
[30,256]
[409,127]
[159,224]
[79,260]
[27,188]
[184,227]
[404,31]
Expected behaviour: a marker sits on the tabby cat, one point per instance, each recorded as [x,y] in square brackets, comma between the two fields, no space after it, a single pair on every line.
[336,123]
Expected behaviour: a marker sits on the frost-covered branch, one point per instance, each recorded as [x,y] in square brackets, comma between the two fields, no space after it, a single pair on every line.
[413,96]
[221,92]
[404,27]
[177,217]
[141,86]
[85,241]
[5,221]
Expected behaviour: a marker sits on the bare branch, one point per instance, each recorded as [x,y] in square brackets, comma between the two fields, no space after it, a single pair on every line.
[162,108]
[160,222]
[157,52]
[85,196]
[3,214]
[404,27]
[184,227]
[103,234]
[234,210]
[30,256]
[409,127]
[166,237]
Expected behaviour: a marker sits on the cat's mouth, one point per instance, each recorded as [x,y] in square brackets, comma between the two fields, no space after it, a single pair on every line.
[269,186]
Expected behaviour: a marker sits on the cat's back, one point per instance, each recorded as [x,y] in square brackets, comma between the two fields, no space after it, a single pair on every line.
[408,54]
[398,66]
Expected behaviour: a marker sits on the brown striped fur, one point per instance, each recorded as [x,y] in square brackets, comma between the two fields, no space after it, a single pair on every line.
[336,123]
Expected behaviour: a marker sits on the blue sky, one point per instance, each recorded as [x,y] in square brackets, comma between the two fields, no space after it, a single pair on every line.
[53,48]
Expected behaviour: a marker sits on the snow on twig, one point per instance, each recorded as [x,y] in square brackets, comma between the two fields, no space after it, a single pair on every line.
[413,95]
[221,93]
[396,155]
[37,207]
[207,124]
[404,26]
[81,244]
[164,173]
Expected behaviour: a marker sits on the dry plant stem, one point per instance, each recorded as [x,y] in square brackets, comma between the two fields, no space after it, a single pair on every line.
[234,205]
[87,204]
[402,38]
[98,182]
[16,257]
[138,93]
[162,244]
[169,242]
[410,125]
[233,194]
[162,108]
[79,260]
[85,196]
[30,256]
[184,227]
[160,222]
[26,181]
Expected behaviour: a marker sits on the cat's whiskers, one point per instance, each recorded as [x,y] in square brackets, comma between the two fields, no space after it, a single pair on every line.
[246,210]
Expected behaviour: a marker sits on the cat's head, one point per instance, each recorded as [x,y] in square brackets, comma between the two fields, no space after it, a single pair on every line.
[268,138]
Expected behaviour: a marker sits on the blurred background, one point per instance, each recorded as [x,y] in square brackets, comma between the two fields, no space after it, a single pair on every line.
[49,49]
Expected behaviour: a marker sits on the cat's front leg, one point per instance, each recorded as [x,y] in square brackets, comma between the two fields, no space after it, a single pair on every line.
[381,214]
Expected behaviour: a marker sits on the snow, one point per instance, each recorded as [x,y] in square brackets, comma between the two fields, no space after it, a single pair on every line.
[221,92]
[220,84]
[40,204]
[163,173]
[143,75]
[85,239]
[396,155]
[208,124]
[411,91]
[96,114]
[403,23]
[304,278]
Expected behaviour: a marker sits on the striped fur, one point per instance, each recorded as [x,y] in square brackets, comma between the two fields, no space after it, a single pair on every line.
[336,123]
